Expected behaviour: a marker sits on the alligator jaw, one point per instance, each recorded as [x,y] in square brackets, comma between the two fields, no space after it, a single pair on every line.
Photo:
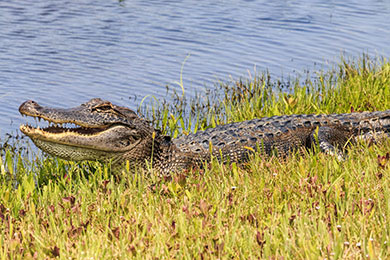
[107,140]
[71,145]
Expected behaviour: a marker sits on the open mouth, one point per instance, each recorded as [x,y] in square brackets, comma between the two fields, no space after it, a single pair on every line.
[58,129]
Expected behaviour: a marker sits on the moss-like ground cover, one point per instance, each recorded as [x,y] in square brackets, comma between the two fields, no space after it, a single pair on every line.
[303,207]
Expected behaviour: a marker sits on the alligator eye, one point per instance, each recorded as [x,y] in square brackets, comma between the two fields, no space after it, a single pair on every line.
[103,107]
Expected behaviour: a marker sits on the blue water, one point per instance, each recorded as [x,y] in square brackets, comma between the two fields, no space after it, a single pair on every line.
[62,53]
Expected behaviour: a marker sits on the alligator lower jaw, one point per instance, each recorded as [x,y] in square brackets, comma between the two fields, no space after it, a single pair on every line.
[78,137]
[52,133]
[74,144]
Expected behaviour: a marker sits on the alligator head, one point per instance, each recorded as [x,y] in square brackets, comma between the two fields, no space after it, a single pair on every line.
[96,130]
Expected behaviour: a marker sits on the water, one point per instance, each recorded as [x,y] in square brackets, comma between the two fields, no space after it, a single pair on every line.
[62,53]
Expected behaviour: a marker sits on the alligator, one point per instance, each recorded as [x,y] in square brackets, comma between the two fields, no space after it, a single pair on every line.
[100,130]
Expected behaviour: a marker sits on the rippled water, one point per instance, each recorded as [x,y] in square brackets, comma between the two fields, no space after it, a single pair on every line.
[62,53]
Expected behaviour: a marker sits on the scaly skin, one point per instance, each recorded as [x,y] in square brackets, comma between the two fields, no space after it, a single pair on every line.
[107,132]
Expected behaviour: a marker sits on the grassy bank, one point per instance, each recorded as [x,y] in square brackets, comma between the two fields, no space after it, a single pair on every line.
[306,207]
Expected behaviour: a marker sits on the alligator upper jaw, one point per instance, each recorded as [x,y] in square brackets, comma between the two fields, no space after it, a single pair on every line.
[80,116]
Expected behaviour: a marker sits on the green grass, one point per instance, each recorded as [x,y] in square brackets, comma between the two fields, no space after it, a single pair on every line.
[304,207]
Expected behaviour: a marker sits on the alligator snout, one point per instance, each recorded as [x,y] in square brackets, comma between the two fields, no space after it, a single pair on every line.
[28,107]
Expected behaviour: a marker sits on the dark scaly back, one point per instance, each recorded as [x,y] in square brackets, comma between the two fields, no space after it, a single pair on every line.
[282,133]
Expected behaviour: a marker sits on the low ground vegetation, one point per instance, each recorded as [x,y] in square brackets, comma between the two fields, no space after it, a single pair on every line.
[304,207]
